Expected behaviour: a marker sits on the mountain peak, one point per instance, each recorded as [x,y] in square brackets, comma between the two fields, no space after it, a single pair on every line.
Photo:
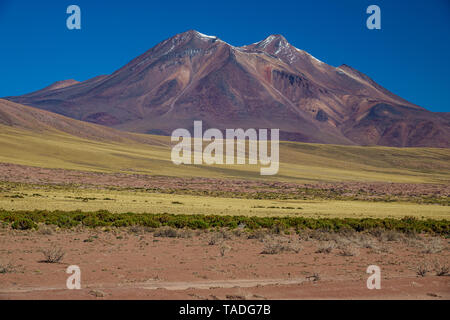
[268,84]
[274,39]
[198,35]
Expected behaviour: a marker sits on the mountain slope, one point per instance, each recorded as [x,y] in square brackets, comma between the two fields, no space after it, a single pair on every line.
[41,122]
[269,84]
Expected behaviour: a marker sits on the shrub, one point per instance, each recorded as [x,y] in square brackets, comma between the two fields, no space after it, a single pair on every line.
[185,233]
[259,234]
[326,247]
[422,269]
[6,267]
[166,232]
[46,230]
[321,235]
[149,222]
[441,269]
[23,224]
[215,239]
[349,251]
[53,255]
[433,246]
[121,223]
[66,221]
[323,229]
[224,249]
[276,247]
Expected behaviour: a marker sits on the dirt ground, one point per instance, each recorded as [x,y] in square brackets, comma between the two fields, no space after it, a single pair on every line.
[139,263]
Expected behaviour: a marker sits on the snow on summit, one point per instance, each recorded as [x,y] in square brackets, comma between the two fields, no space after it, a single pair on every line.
[201,35]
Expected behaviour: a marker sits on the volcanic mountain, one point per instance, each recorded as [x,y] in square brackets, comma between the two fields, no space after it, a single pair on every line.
[268,84]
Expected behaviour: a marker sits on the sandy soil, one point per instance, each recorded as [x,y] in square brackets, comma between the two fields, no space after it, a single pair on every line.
[136,264]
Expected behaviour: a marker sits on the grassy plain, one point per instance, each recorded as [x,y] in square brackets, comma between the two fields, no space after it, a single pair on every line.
[299,162]
[28,197]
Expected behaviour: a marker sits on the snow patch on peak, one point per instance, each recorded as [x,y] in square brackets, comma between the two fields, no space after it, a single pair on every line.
[201,35]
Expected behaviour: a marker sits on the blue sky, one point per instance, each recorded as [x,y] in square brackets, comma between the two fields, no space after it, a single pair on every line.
[410,55]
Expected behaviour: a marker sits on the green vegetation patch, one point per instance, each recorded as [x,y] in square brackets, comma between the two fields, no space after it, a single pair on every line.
[30,219]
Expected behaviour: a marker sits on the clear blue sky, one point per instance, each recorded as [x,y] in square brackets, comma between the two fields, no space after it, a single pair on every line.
[410,55]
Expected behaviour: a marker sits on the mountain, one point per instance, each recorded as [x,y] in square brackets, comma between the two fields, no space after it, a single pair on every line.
[268,84]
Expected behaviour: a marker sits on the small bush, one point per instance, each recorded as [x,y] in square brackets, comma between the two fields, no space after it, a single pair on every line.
[276,247]
[215,239]
[23,224]
[321,235]
[166,232]
[185,233]
[122,223]
[7,267]
[259,234]
[46,231]
[349,251]
[433,246]
[53,255]
[367,243]
[441,269]
[422,269]
[326,247]
[392,235]
[136,229]
[224,249]
[277,229]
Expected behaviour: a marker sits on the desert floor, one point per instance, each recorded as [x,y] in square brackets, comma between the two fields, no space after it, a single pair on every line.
[144,263]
